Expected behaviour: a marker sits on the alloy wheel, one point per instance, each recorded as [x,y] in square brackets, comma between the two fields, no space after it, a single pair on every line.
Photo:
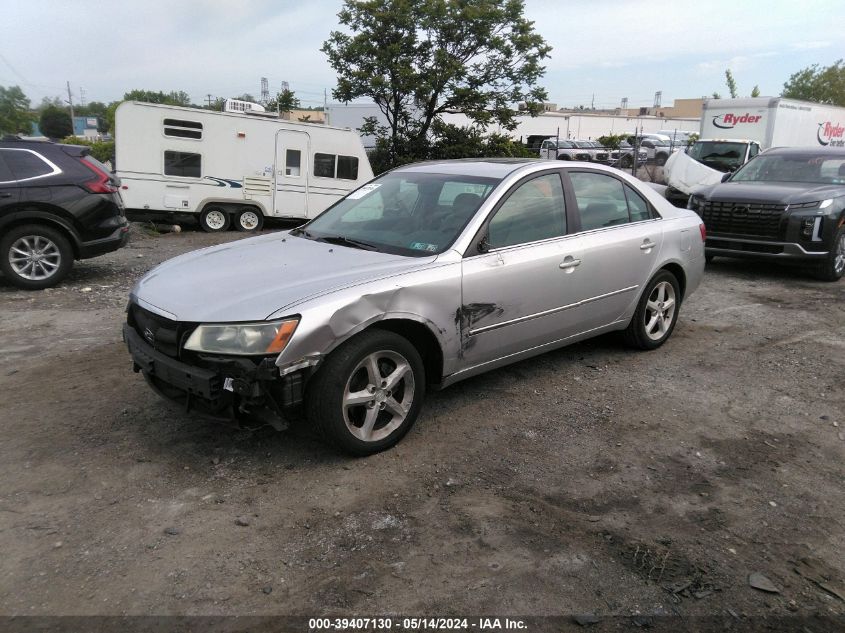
[34,257]
[660,311]
[839,260]
[378,395]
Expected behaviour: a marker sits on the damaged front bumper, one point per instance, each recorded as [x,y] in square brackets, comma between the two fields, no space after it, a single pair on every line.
[229,389]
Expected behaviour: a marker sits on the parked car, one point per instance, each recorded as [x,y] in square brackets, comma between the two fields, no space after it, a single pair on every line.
[429,274]
[624,156]
[657,149]
[563,150]
[786,204]
[598,154]
[57,203]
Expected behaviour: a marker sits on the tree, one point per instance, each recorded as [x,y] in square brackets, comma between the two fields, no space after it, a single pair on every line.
[14,111]
[816,83]
[55,123]
[731,83]
[177,98]
[419,59]
[755,91]
[285,101]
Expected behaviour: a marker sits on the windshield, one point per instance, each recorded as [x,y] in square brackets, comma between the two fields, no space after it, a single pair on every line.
[564,145]
[718,155]
[407,213]
[801,168]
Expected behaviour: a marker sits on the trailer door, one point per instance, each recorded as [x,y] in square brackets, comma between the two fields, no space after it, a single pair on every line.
[291,191]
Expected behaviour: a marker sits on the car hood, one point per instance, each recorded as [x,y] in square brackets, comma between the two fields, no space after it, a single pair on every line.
[250,279]
[778,193]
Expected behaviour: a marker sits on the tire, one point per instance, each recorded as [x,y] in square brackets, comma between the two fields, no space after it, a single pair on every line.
[647,329]
[660,160]
[627,162]
[214,220]
[34,256]
[564,157]
[249,219]
[832,268]
[349,370]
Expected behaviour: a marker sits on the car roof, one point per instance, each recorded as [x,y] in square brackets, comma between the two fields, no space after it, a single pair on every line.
[485,167]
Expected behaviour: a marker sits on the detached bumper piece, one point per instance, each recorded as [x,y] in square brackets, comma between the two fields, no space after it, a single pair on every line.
[227,390]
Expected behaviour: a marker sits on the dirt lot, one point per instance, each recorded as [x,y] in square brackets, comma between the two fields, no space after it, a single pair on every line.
[589,480]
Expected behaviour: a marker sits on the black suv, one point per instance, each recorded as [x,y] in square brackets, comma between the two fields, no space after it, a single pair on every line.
[787,204]
[57,204]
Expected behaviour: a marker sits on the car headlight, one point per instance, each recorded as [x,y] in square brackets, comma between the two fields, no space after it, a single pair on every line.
[264,337]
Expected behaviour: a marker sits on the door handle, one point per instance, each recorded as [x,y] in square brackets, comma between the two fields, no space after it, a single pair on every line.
[647,245]
[569,264]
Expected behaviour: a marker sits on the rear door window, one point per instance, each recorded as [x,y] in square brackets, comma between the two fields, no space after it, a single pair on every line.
[6,176]
[26,164]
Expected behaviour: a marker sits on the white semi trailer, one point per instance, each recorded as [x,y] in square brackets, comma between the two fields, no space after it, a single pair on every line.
[229,168]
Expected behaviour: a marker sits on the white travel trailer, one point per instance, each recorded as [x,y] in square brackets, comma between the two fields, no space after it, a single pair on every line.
[232,168]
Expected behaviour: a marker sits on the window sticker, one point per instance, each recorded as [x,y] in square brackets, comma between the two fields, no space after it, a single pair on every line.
[424,246]
[363,191]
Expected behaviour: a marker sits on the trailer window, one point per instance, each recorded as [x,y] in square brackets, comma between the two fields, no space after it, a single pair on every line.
[182,129]
[293,158]
[183,164]
[324,165]
[347,167]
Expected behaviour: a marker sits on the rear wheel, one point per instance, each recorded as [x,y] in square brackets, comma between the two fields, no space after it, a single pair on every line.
[833,266]
[656,314]
[249,219]
[368,392]
[35,256]
[214,220]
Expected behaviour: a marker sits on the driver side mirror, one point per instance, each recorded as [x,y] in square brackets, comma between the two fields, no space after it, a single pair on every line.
[484,244]
[726,176]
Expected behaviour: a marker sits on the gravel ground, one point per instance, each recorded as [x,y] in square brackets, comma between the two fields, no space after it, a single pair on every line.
[592,480]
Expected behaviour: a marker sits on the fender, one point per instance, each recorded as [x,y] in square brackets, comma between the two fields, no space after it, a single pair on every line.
[35,214]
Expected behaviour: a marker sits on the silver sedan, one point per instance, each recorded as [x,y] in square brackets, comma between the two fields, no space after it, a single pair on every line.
[427,275]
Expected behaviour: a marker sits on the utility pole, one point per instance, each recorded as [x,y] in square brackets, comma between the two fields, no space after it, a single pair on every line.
[70,99]
[208,97]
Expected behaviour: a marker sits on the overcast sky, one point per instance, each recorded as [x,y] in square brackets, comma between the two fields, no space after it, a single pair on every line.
[610,48]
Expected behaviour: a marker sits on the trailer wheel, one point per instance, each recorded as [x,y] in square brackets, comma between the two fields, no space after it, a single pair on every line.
[214,220]
[249,219]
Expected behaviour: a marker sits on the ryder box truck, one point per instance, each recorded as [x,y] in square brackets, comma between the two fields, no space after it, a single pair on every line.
[733,131]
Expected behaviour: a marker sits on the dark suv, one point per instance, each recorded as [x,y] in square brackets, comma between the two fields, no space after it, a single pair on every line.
[57,204]
[787,204]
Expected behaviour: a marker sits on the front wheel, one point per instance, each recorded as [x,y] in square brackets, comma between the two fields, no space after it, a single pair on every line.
[368,392]
[656,314]
[214,220]
[833,266]
[249,220]
[660,160]
[35,256]
[627,162]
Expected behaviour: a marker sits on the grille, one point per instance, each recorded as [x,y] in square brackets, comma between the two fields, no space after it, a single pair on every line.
[601,156]
[163,334]
[743,218]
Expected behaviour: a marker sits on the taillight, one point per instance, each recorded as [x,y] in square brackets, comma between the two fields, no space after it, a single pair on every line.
[703,231]
[102,183]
